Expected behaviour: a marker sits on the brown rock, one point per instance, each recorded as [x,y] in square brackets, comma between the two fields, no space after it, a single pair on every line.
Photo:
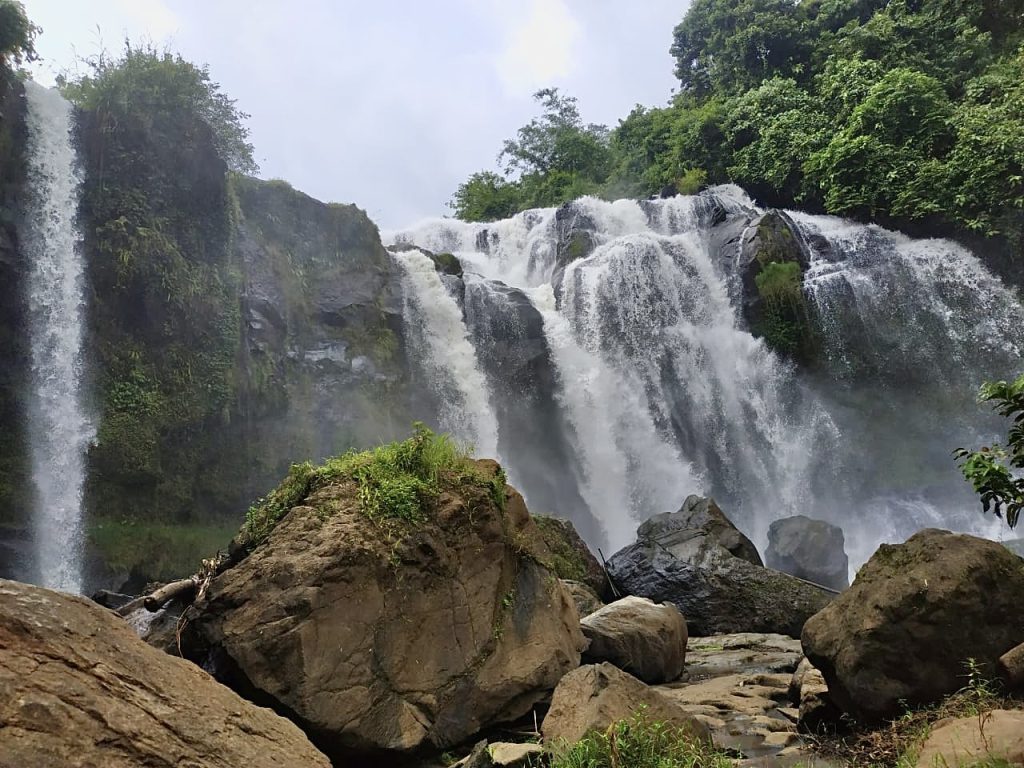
[583,597]
[639,636]
[1011,667]
[817,708]
[78,688]
[995,735]
[594,696]
[398,638]
[914,615]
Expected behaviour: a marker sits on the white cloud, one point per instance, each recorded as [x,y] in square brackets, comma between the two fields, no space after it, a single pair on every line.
[539,48]
[153,16]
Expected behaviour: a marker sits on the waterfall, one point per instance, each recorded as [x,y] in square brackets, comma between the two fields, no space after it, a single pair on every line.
[440,343]
[58,427]
[662,391]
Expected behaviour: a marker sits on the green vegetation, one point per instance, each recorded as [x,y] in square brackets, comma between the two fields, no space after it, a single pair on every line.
[901,111]
[995,471]
[785,324]
[161,551]
[566,561]
[639,743]
[17,35]
[151,86]
[159,213]
[399,480]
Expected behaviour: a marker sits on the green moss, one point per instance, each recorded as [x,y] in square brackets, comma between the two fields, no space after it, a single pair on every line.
[566,561]
[399,480]
[786,324]
[447,263]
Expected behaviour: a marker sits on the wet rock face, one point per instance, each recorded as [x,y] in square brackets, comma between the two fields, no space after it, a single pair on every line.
[508,334]
[915,614]
[77,687]
[381,642]
[809,549]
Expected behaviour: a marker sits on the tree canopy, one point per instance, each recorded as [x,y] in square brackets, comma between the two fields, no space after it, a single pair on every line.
[899,111]
[155,86]
[17,35]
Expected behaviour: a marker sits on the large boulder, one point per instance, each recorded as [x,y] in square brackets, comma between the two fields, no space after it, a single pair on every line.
[809,549]
[699,533]
[915,614]
[78,688]
[594,696]
[636,635]
[697,560]
[390,636]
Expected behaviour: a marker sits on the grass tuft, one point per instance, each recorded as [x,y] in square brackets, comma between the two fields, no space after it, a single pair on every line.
[399,480]
[639,742]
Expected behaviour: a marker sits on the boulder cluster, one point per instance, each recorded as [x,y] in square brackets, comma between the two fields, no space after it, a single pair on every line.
[344,639]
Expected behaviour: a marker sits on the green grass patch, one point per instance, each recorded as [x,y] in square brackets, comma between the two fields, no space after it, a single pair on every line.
[566,561]
[159,551]
[639,742]
[399,480]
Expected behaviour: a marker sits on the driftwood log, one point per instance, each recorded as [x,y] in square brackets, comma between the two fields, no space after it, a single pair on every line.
[185,588]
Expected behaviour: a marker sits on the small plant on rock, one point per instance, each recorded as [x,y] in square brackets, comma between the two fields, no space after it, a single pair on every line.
[639,742]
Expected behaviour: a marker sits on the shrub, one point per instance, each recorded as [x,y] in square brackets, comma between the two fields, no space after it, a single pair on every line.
[994,471]
[17,34]
[639,743]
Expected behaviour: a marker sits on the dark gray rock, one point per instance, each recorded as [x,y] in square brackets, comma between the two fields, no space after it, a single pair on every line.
[696,559]
[699,533]
[508,334]
[809,549]
[735,596]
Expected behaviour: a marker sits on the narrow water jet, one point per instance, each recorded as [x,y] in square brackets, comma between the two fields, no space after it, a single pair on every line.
[59,428]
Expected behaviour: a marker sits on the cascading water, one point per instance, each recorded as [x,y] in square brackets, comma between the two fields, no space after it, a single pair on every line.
[58,427]
[663,391]
[439,341]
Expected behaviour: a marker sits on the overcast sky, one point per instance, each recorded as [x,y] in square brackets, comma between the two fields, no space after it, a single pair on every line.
[387,103]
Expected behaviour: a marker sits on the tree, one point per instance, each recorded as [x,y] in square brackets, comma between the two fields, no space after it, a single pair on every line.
[156,86]
[995,471]
[17,34]
[485,196]
[558,141]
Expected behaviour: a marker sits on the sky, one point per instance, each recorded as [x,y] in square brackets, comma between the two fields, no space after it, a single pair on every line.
[388,104]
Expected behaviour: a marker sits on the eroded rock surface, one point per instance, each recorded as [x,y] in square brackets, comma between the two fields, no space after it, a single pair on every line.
[78,688]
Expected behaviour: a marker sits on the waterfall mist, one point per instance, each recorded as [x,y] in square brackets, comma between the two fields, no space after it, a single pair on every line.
[58,427]
[653,386]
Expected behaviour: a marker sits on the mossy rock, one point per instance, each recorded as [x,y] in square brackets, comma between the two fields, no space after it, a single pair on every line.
[571,559]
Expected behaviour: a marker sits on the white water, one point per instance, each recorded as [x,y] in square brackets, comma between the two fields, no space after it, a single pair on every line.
[59,428]
[664,391]
[438,336]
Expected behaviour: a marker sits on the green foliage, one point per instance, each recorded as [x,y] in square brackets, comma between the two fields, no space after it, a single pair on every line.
[902,110]
[155,86]
[553,158]
[17,35]
[566,562]
[399,480]
[639,742]
[995,471]
[157,551]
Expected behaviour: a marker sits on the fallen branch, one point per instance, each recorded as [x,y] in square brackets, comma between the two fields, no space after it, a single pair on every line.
[185,588]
